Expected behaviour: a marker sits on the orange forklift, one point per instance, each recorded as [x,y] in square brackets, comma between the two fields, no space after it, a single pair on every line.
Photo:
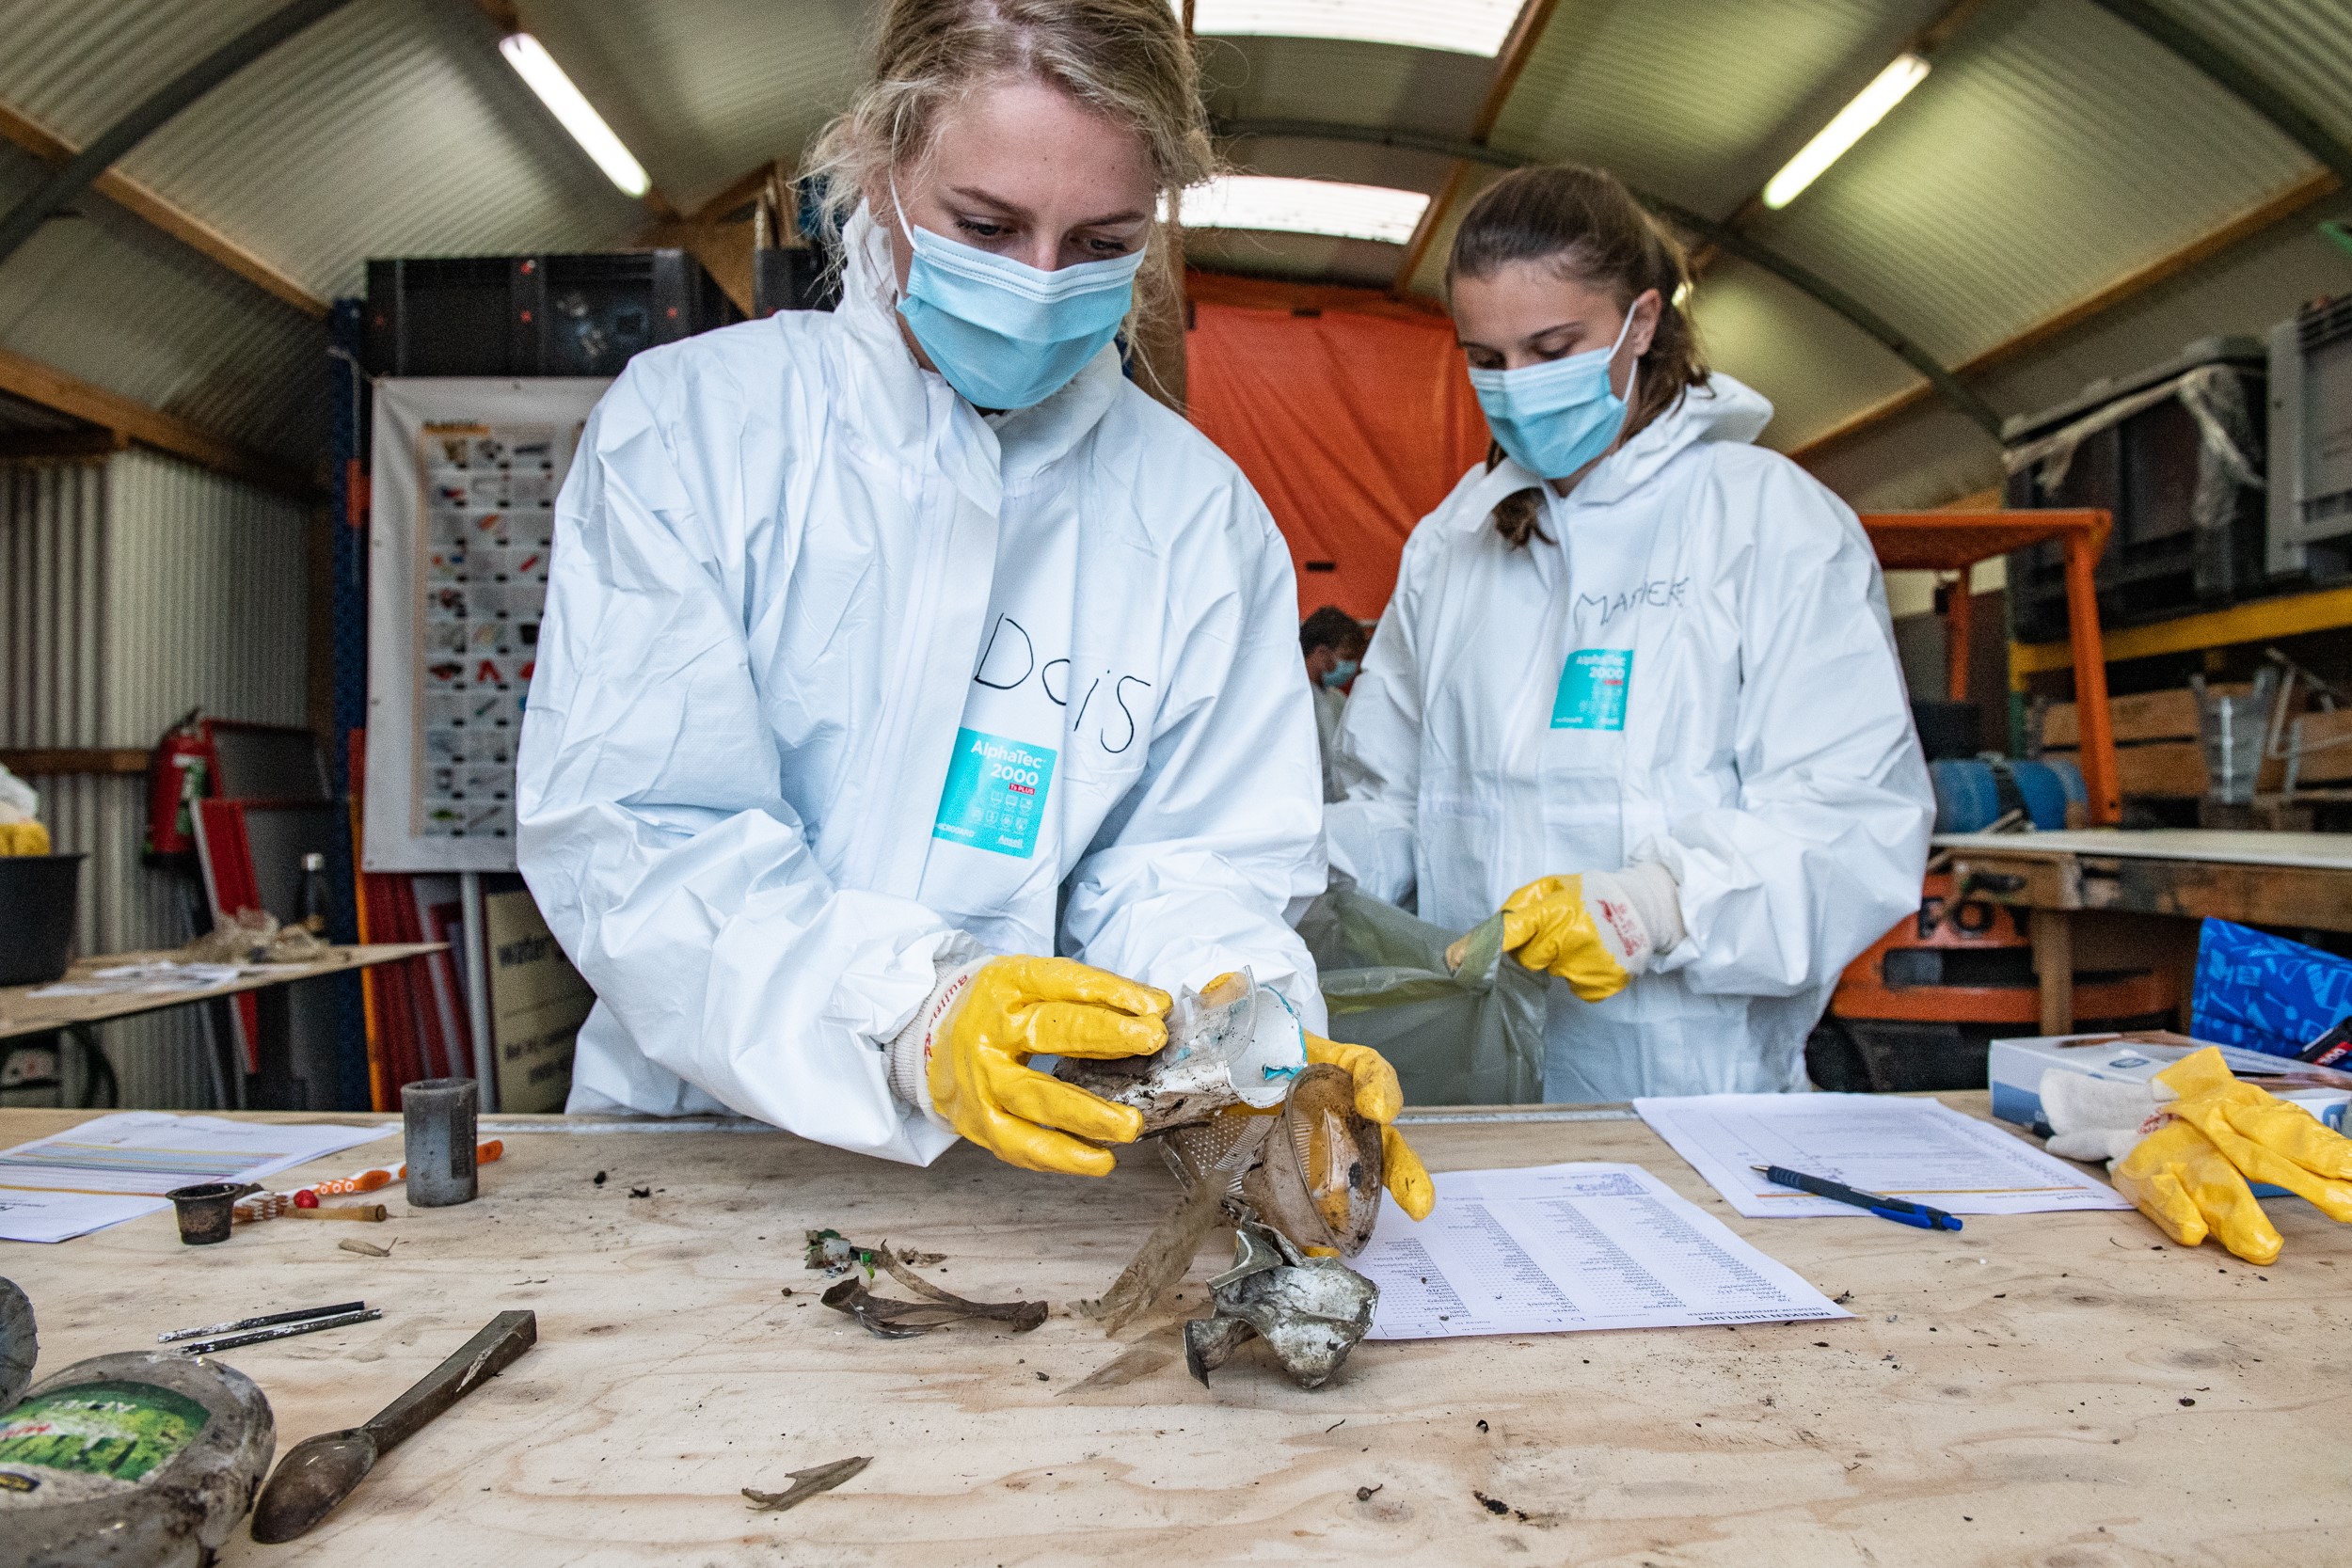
[1917,1009]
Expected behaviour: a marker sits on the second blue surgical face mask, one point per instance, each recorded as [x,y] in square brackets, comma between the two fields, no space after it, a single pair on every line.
[1341,674]
[1003,333]
[1555,417]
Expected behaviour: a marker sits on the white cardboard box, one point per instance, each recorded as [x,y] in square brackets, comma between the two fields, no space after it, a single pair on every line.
[2015,1067]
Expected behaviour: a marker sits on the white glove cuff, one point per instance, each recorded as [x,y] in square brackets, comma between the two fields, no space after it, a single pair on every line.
[911,1048]
[1657,901]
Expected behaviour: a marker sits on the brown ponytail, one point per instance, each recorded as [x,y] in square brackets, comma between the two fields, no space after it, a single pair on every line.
[1584,223]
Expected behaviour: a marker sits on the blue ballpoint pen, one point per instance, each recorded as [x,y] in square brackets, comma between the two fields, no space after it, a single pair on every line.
[1901,1211]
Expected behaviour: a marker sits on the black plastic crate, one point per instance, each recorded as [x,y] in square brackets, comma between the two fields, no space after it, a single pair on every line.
[536,315]
[2146,469]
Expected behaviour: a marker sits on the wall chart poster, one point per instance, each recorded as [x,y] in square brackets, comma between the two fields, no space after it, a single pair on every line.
[465,477]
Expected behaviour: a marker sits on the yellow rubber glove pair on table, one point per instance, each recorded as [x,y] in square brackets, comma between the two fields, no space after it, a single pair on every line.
[980,1029]
[2187,1147]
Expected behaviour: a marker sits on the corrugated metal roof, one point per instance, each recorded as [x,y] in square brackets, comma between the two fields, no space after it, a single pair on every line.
[704,91]
[1699,100]
[2301,47]
[1343,83]
[77,66]
[377,132]
[108,300]
[2051,151]
[1815,367]
[1318,257]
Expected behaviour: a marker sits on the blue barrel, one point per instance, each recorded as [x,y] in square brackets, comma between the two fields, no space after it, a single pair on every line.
[1969,793]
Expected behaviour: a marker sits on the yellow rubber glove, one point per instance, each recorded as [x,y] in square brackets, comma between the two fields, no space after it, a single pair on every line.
[2266,1138]
[1378,1097]
[2178,1179]
[977,1059]
[27,837]
[1595,930]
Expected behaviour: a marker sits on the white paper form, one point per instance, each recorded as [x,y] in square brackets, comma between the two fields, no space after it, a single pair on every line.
[118,1167]
[1558,1247]
[1913,1149]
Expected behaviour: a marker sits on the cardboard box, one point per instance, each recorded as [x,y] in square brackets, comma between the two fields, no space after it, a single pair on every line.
[2017,1065]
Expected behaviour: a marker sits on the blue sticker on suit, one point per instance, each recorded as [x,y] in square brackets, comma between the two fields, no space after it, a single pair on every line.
[995,794]
[1593,686]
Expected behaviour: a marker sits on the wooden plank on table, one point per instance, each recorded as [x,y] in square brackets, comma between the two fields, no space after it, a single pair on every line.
[671,1372]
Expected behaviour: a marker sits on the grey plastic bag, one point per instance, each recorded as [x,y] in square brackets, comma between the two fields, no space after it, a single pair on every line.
[1475,1037]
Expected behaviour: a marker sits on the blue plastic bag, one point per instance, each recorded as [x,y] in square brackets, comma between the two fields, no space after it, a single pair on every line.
[2264,992]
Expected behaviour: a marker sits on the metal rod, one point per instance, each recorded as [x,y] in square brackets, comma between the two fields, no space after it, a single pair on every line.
[478,990]
[1722,236]
[284,1331]
[262,1322]
[79,172]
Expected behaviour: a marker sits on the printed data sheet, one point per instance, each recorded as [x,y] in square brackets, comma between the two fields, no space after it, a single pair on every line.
[1913,1149]
[1558,1247]
[119,1167]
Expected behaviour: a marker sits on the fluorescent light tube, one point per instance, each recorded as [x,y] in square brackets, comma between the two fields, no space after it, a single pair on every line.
[1891,87]
[534,65]
[1305,207]
[1458,26]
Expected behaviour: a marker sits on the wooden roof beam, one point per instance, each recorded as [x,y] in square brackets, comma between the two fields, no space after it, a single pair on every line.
[159,212]
[2313,188]
[1519,46]
[131,420]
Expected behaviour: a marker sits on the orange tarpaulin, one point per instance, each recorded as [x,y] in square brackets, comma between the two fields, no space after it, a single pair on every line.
[1353,427]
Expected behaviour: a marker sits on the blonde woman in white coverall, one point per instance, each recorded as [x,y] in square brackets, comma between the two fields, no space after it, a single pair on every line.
[1637,686]
[914,693]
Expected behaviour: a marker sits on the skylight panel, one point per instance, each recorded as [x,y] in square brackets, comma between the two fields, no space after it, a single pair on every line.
[1305,207]
[1460,26]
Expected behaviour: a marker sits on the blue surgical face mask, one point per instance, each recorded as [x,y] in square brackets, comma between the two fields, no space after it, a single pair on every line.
[1555,417]
[1341,674]
[1003,333]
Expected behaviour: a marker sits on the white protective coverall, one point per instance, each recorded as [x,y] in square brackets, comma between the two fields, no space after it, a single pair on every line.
[1759,741]
[840,679]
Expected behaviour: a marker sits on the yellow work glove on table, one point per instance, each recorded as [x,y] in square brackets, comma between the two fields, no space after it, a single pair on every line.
[965,1059]
[2186,1147]
[1378,1097]
[1595,930]
[2192,1175]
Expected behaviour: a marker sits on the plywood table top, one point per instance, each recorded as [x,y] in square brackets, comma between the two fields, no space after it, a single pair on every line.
[21,1012]
[2052,1388]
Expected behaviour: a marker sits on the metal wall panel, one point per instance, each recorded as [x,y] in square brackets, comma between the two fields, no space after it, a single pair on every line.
[131,590]
[208,595]
[77,66]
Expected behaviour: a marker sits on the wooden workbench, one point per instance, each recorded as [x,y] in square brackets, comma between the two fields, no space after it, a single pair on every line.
[2053,1389]
[2094,893]
[23,1013]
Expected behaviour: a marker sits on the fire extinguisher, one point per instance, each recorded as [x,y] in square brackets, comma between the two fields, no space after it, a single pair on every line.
[178,774]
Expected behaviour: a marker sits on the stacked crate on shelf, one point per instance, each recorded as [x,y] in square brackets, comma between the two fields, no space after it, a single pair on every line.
[2158,755]
[2176,453]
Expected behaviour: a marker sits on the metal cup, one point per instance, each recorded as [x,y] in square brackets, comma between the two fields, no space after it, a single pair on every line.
[440,1116]
[207,1211]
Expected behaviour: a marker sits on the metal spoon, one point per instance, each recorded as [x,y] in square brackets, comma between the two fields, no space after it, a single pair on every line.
[318,1472]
